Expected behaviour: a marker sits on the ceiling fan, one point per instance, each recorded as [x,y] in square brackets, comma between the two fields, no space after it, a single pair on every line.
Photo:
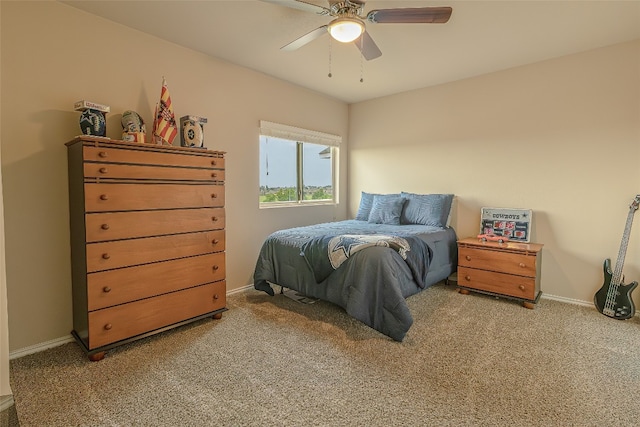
[348,24]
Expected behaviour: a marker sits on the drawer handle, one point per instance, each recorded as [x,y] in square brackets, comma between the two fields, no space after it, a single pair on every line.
[213,163]
[216,296]
[467,278]
[108,326]
[215,267]
[521,287]
[102,170]
[213,175]
[106,256]
[214,196]
[522,265]
[102,154]
[104,197]
[105,226]
[215,241]
[468,258]
[214,218]
[106,289]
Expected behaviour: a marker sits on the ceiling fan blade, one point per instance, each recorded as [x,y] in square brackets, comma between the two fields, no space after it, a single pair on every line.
[417,15]
[301,5]
[309,37]
[368,47]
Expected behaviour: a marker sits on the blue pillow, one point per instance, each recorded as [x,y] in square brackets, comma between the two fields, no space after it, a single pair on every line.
[366,201]
[426,209]
[386,209]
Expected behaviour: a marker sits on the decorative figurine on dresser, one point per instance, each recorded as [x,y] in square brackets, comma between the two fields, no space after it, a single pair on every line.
[147,239]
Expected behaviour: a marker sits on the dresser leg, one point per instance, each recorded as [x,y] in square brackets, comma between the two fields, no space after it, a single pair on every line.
[528,305]
[96,357]
[463,291]
[217,316]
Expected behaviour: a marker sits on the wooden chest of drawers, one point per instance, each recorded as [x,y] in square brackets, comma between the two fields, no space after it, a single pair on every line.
[147,239]
[507,269]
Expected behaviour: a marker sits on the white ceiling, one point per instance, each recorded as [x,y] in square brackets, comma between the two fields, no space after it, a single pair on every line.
[481,37]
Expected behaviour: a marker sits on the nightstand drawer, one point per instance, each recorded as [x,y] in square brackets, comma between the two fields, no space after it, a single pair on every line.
[499,261]
[499,283]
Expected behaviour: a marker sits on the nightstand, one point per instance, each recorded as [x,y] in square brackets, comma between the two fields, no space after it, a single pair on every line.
[509,269]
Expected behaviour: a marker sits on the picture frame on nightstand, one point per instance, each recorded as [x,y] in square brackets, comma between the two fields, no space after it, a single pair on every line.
[513,224]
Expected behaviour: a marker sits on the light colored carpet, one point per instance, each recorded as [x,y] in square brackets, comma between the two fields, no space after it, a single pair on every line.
[468,360]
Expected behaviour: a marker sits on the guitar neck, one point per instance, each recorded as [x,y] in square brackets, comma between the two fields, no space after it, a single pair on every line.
[617,272]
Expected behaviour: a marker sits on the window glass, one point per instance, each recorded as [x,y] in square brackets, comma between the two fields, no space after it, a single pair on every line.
[316,172]
[278,174]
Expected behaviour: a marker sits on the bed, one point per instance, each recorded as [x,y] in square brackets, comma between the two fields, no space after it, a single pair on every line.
[398,245]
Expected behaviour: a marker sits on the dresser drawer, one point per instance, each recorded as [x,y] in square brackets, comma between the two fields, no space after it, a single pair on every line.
[122,171]
[128,320]
[499,283]
[108,288]
[124,225]
[125,253]
[129,197]
[145,156]
[504,262]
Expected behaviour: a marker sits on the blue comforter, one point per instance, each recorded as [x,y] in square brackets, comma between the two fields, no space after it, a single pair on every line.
[371,283]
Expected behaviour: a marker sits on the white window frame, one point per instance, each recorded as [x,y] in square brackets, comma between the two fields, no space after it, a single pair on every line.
[300,135]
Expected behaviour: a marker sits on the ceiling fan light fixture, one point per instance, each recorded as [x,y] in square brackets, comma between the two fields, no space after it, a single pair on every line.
[346,29]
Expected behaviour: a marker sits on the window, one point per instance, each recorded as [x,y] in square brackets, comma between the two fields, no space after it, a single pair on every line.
[297,166]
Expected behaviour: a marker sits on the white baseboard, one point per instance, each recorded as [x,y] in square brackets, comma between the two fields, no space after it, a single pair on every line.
[40,347]
[6,402]
[64,340]
[568,300]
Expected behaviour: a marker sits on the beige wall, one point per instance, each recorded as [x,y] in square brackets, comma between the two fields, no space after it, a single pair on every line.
[54,55]
[561,137]
[5,387]
[566,132]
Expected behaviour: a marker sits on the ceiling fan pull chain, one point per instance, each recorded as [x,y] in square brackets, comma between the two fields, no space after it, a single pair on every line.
[361,61]
[329,57]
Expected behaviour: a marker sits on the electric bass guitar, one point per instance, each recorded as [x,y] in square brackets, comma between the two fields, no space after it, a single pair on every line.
[614,298]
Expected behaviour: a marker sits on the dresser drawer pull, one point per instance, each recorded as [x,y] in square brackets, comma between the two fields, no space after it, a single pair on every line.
[214,218]
[215,267]
[102,154]
[216,296]
[214,196]
[214,175]
[104,197]
[105,226]
[467,278]
[213,163]
[215,241]
[106,256]
[468,258]
[106,289]
[521,287]
[108,326]
[522,265]
[102,170]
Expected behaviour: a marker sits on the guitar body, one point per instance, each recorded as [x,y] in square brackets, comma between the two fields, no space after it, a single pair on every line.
[620,305]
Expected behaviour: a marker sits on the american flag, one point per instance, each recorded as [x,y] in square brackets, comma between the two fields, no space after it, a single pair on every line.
[164,124]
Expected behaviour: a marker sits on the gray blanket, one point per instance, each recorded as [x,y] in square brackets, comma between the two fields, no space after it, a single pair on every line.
[326,253]
[371,284]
